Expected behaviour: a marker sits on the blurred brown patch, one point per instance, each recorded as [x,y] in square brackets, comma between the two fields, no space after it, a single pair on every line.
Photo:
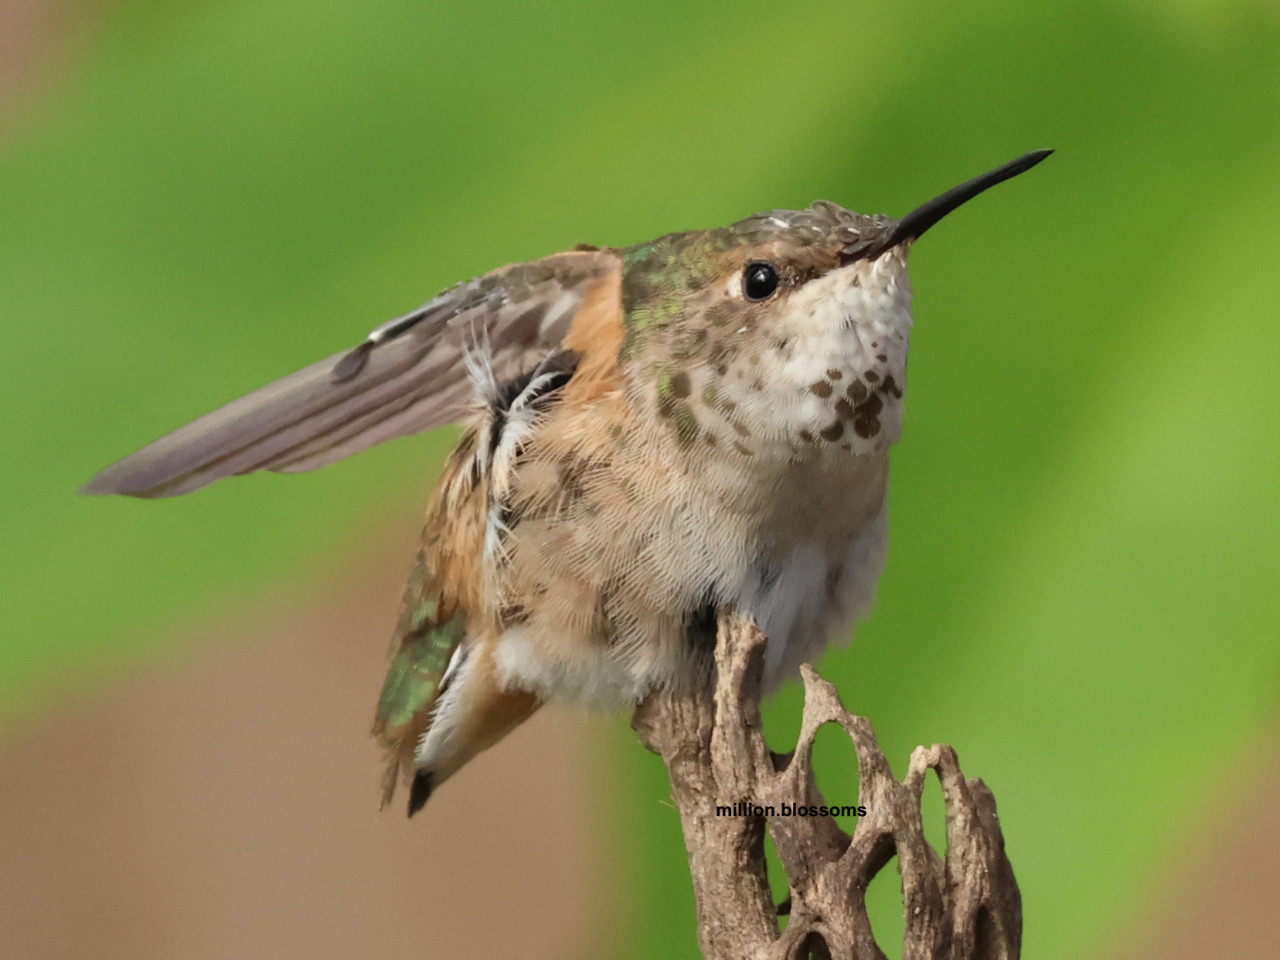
[228,808]
[27,28]
[1223,898]
[35,40]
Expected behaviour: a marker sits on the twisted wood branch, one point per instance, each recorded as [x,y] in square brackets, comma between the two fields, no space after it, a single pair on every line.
[965,906]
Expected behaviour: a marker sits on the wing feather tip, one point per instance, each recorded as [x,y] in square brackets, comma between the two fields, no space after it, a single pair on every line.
[114,481]
[95,487]
[107,483]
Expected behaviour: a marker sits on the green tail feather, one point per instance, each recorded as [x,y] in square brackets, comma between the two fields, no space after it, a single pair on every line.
[427,638]
[413,681]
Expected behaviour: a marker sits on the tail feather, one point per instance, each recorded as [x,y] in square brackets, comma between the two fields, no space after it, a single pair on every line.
[430,640]
[474,713]
[432,637]
[420,791]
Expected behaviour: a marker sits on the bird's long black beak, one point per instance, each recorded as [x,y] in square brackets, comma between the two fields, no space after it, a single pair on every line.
[915,223]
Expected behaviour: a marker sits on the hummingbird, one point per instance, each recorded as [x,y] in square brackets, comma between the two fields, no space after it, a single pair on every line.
[651,433]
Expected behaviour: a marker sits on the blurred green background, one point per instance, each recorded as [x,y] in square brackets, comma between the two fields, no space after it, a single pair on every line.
[1082,588]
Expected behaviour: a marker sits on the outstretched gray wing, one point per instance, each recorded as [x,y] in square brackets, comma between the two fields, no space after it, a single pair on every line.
[408,376]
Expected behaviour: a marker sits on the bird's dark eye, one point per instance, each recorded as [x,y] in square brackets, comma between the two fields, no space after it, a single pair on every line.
[759,280]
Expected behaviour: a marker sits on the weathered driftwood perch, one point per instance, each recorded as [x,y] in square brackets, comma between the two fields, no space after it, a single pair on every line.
[964,908]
